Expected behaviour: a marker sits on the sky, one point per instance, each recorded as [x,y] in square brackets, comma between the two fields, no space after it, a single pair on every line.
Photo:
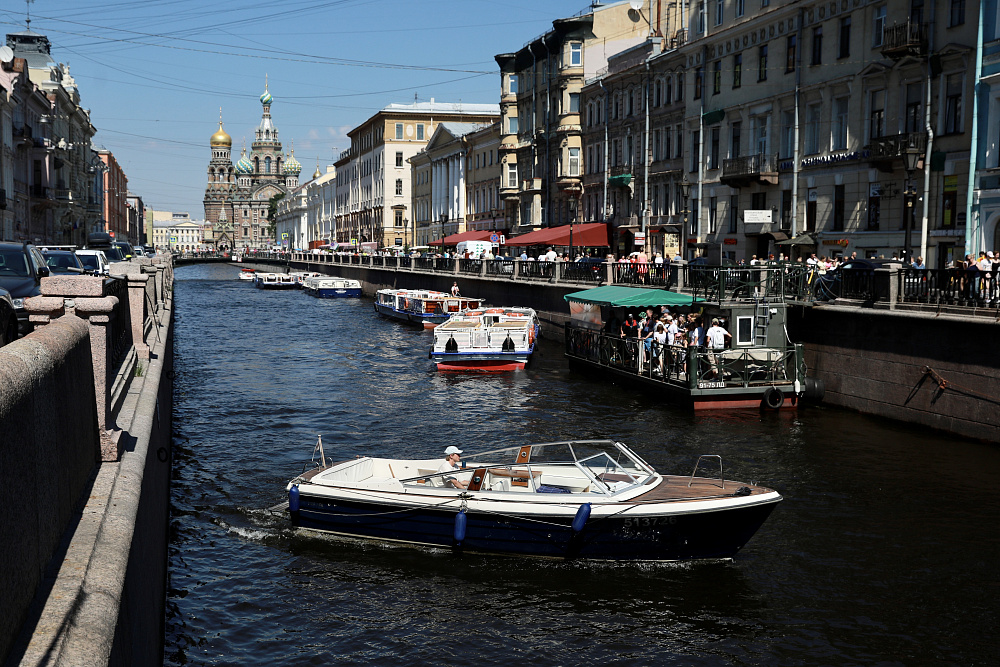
[155,72]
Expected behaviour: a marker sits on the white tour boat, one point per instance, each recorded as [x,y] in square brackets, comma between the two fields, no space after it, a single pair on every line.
[494,339]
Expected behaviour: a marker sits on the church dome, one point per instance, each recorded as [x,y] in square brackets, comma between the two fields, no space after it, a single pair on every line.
[292,165]
[221,138]
[266,97]
[244,165]
[317,173]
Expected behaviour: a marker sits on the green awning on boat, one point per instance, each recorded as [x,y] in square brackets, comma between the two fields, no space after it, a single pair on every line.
[639,297]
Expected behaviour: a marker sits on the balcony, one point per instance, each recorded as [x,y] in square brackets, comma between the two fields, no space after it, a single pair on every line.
[64,194]
[907,39]
[620,176]
[749,169]
[884,151]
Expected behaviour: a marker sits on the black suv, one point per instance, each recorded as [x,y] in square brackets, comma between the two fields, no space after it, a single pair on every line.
[22,268]
[113,249]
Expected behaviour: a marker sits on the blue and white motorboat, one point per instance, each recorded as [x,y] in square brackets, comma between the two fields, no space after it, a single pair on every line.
[578,499]
[490,340]
[277,281]
[425,307]
[326,287]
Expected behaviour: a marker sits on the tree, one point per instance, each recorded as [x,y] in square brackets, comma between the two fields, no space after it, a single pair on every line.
[272,213]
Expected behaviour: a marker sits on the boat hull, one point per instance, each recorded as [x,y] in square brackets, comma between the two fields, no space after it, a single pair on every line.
[413,318]
[334,293]
[674,536]
[275,286]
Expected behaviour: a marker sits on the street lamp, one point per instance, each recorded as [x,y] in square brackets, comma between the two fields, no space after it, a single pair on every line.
[685,193]
[911,158]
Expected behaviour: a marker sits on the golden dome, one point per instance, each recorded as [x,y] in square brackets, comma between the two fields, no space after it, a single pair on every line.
[220,138]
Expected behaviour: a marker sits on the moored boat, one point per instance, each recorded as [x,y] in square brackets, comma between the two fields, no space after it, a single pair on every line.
[275,281]
[248,274]
[330,288]
[300,277]
[494,339]
[579,499]
[425,307]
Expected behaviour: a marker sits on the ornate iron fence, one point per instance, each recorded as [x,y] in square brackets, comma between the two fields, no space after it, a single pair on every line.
[120,324]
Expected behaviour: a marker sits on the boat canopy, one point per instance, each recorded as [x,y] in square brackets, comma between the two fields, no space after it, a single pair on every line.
[585,235]
[638,297]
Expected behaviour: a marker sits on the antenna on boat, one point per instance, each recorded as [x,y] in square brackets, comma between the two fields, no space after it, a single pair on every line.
[319,446]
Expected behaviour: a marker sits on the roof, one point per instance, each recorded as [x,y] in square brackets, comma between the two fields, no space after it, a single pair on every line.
[444,107]
[638,297]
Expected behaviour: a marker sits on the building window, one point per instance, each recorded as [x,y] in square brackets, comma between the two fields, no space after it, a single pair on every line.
[574,161]
[420,131]
[699,81]
[878,26]
[628,150]
[701,18]
[512,125]
[719,11]
[812,128]
[817,46]
[714,155]
[758,201]
[739,8]
[717,77]
[512,84]
[840,111]
[876,118]
[917,11]
[397,218]
[695,140]
[953,104]
[957,16]
[680,88]
[267,165]
[790,50]
[765,3]
[399,158]
[399,130]
[737,70]
[845,38]
[576,54]
[787,133]
[762,63]
[734,208]
[874,206]
[735,139]
[914,115]
[511,175]
[713,214]
[838,208]
[759,130]
[574,103]
[399,187]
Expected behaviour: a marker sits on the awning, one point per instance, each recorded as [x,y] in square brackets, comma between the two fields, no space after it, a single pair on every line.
[585,235]
[463,236]
[801,239]
[774,236]
[638,297]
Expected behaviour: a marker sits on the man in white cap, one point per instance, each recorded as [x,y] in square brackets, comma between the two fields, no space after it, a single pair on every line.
[716,337]
[452,455]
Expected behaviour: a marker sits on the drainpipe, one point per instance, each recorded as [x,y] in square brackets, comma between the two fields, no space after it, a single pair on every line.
[970,224]
[930,141]
[548,137]
[701,142]
[645,169]
[604,165]
[795,150]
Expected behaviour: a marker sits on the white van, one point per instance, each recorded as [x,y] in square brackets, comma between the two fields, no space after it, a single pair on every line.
[474,248]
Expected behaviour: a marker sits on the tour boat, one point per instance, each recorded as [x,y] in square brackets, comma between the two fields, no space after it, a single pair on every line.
[248,274]
[424,307]
[327,287]
[275,281]
[300,277]
[592,499]
[495,339]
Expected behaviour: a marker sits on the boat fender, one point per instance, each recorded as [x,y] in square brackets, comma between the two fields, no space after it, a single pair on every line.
[773,398]
[293,498]
[460,522]
[814,390]
[451,345]
[742,491]
[580,520]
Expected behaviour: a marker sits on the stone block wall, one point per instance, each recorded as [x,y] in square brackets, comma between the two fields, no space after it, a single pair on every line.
[49,450]
[892,364]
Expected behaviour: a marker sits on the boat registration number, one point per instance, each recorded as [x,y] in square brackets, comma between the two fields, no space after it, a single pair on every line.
[712,385]
[645,521]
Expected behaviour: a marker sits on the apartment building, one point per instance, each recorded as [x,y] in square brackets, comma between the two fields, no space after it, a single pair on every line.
[541,84]
[984,205]
[373,176]
[456,182]
[806,127]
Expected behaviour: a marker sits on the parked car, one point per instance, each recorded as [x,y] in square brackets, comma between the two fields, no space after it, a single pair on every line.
[8,318]
[22,268]
[62,262]
[126,249]
[94,261]
[104,242]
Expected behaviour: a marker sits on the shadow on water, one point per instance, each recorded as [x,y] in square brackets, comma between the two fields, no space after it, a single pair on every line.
[883,551]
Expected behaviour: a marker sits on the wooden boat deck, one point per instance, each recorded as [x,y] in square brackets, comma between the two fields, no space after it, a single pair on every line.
[675,487]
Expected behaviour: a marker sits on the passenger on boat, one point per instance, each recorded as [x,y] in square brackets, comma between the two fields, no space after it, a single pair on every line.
[452,455]
[454,289]
[716,337]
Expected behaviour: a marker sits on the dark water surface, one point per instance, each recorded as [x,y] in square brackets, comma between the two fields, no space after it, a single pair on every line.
[884,551]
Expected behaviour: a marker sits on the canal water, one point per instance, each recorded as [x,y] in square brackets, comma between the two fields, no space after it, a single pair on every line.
[884,550]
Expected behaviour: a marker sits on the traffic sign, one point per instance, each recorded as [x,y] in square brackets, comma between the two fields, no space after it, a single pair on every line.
[495,238]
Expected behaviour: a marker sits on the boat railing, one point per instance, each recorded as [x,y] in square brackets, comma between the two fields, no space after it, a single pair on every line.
[690,367]
[697,463]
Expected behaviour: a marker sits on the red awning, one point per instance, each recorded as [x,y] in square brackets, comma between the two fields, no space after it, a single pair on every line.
[464,236]
[591,234]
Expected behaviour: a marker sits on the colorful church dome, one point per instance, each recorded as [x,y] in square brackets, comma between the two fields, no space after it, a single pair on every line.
[266,97]
[244,165]
[292,165]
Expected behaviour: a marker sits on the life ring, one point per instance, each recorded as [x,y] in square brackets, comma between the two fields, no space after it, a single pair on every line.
[531,336]
[494,311]
[474,312]
[406,304]
[515,315]
[773,398]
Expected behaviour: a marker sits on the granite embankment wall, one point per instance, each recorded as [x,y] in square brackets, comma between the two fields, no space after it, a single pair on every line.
[85,429]
[940,371]
[934,370]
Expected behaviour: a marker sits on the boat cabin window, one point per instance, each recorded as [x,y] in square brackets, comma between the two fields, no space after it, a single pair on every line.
[744,331]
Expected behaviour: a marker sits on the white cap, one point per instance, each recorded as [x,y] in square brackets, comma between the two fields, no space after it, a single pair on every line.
[452,449]
[989,253]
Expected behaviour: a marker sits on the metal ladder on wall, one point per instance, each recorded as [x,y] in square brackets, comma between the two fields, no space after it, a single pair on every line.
[762,315]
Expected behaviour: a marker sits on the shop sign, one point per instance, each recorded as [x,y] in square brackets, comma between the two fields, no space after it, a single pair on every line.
[752,217]
[834,158]
[841,242]
[729,241]
[640,238]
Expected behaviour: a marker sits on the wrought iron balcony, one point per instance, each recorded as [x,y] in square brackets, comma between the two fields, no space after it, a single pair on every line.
[742,171]
[906,39]
[884,151]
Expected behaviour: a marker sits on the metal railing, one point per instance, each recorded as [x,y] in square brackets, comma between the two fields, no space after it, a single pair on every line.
[683,366]
[905,38]
[772,282]
[750,165]
[953,287]
[470,266]
[500,267]
[895,146]
[120,325]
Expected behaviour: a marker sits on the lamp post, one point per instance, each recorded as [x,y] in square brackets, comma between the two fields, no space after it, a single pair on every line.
[685,193]
[911,158]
